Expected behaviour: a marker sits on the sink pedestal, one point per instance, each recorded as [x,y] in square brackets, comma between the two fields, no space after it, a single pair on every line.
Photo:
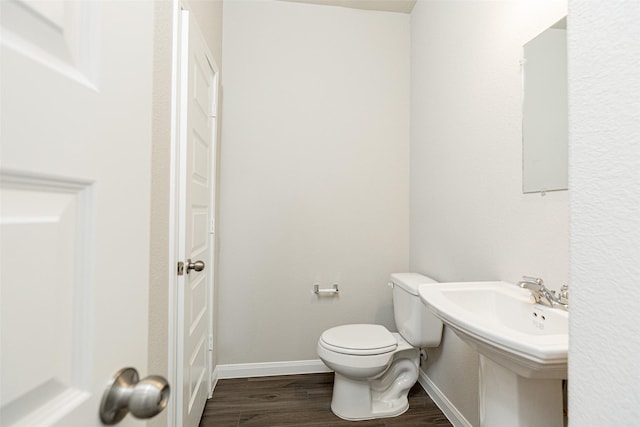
[508,399]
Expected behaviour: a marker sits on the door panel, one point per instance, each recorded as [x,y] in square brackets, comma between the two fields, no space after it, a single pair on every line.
[198,155]
[74,211]
[43,225]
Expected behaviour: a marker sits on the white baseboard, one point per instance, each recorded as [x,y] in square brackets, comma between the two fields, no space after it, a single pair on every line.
[267,369]
[215,376]
[450,411]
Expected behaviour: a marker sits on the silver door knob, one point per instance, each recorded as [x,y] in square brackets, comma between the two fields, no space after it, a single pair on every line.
[145,398]
[197,266]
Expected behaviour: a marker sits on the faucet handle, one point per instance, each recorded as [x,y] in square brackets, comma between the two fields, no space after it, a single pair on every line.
[564,294]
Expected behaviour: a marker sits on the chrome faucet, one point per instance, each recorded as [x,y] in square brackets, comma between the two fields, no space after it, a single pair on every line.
[534,284]
[545,296]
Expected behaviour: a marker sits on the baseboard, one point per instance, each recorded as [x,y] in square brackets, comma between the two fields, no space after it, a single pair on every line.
[215,376]
[267,369]
[450,411]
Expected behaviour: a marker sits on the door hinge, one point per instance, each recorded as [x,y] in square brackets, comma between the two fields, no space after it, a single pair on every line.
[212,226]
[210,342]
[180,268]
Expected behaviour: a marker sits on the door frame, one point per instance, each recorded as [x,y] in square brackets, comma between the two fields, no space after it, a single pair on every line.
[177,207]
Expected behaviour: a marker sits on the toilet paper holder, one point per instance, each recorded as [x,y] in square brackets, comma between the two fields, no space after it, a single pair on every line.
[317,290]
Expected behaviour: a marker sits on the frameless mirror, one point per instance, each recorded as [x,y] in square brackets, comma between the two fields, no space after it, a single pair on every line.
[545,113]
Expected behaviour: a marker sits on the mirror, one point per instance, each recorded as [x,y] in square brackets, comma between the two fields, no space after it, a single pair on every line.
[545,112]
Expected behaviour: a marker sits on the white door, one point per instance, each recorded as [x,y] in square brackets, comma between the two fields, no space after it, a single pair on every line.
[75,189]
[198,150]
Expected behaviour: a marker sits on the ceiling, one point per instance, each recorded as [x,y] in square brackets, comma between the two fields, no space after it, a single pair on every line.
[404,6]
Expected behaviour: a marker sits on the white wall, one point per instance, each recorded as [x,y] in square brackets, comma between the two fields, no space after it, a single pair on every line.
[208,14]
[469,218]
[604,143]
[314,175]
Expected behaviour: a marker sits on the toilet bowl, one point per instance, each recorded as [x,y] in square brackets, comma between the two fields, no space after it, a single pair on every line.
[375,368]
[365,386]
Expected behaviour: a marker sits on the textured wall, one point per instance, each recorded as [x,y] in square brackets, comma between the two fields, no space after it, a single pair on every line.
[160,182]
[469,218]
[604,138]
[314,175]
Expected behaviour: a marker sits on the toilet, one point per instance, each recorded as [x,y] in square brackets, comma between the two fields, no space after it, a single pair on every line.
[375,368]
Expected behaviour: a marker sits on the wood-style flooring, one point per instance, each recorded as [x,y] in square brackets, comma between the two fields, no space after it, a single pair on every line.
[301,401]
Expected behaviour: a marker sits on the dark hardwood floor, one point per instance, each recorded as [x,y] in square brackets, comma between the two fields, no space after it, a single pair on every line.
[301,401]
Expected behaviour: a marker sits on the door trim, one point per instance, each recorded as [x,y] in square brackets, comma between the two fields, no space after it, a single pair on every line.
[174,209]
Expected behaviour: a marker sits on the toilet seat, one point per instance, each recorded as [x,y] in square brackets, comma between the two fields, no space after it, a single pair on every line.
[359,339]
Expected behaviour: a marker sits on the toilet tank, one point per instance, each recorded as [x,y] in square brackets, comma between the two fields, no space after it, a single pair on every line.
[414,321]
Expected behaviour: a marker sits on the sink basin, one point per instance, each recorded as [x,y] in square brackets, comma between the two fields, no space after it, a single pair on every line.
[501,321]
[522,345]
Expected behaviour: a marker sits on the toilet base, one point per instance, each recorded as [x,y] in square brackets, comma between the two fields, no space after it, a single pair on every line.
[382,397]
[352,401]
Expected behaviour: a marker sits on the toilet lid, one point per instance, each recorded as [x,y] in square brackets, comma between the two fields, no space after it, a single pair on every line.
[359,339]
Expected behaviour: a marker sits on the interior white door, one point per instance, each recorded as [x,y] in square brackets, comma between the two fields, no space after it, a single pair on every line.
[75,190]
[198,151]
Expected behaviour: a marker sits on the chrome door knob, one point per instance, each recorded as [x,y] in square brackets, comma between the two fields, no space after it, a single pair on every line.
[144,398]
[197,266]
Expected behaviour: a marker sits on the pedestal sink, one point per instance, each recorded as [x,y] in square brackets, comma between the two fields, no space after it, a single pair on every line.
[522,345]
